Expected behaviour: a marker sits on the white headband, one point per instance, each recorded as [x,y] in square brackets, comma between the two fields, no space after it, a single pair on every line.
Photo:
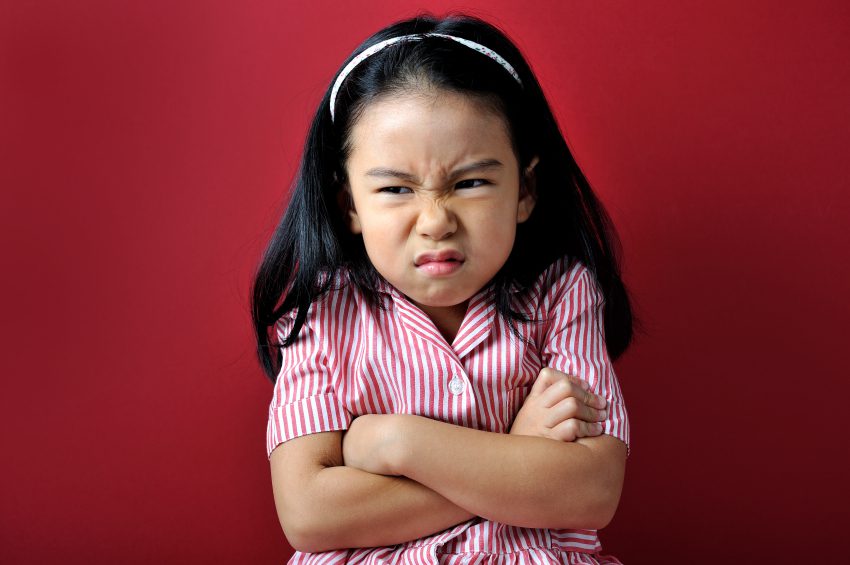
[381,44]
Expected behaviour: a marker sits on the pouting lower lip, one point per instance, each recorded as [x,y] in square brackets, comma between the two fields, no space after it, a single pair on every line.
[425,262]
[438,268]
[441,256]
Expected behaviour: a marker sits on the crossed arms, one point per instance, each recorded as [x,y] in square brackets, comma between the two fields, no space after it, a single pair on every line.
[392,478]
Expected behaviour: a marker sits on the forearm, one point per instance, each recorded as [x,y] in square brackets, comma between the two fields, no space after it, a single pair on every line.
[351,508]
[518,480]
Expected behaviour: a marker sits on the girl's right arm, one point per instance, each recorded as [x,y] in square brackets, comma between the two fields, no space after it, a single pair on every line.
[321,503]
[324,505]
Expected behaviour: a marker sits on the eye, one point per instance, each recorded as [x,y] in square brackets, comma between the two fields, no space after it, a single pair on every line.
[482,181]
[395,190]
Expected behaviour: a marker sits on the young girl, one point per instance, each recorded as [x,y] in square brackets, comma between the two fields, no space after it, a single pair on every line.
[430,310]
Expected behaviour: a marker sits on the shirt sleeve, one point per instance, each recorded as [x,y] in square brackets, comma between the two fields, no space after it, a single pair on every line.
[573,340]
[305,399]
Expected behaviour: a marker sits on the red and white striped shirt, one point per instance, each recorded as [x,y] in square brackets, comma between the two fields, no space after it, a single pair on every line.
[351,358]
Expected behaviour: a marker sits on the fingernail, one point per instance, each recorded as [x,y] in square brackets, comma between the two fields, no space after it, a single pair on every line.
[598,427]
[603,414]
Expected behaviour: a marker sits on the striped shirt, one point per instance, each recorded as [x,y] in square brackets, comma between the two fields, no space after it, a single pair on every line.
[352,358]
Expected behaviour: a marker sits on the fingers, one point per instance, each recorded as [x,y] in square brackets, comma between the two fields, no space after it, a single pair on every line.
[596,400]
[582,384]
[547,377]
[570,388]
[572,429]
[569,408]
[544,380]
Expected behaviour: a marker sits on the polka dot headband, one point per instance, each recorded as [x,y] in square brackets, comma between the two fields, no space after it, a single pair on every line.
[381,44]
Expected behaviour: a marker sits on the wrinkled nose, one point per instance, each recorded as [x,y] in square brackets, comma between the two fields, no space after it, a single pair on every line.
[436,221]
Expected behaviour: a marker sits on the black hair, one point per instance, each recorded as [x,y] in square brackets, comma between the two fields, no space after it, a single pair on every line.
[312,239]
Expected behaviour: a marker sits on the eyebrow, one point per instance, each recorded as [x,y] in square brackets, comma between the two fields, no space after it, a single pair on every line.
[476,166]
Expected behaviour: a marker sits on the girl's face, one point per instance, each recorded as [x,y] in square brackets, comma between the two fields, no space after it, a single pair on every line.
[435,189]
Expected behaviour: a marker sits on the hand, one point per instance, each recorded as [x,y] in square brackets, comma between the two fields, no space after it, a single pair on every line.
[367,442]
[560,407]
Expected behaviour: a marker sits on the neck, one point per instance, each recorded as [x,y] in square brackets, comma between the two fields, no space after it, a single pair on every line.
[447,318]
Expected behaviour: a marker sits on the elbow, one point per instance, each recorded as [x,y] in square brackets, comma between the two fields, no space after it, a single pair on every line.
[291,518]
[307,538]
[603,504]
[300,494]
[295,538]
[595,512]
[306,543]
[303,530]
[293,531]
[603,511]
[604,490]
[593,508]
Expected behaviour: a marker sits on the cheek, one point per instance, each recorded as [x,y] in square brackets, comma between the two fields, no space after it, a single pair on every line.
[377,226]
[497,221]
[381,241]
[496,234]
[501,239]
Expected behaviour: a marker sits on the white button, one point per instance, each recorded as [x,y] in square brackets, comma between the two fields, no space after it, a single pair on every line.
[456,385]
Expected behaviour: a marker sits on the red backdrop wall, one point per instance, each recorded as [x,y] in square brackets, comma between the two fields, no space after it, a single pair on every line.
[146,149]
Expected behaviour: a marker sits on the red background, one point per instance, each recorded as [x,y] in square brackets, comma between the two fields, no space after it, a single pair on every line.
[145,151]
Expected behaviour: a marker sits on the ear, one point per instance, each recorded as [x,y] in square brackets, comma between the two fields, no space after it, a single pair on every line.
[346,204]
[527,192]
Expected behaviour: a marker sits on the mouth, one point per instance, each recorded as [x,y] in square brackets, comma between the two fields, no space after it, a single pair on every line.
[443,256]
[439,263]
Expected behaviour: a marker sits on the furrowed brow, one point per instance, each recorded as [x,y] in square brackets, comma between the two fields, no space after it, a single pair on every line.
[385,172]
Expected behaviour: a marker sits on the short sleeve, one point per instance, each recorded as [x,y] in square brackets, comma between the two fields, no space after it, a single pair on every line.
[573,339]
[304,399]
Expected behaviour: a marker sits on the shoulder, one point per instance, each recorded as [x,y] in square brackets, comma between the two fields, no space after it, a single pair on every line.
[565,270]
[325,312]
[564,290]
[563,276]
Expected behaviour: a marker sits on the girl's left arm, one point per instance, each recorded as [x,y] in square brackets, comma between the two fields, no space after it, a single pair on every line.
[524,481]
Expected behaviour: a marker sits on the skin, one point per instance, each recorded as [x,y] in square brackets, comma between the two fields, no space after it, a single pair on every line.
[350,489]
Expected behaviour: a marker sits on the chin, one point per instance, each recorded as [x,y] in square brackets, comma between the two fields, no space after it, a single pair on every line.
[442,299]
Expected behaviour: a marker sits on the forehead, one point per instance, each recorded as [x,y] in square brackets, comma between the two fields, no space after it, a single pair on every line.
[428,134]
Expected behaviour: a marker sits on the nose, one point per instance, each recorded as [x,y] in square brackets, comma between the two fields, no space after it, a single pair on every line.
[436,221]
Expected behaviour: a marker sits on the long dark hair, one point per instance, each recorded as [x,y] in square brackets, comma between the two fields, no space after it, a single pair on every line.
[312,239]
